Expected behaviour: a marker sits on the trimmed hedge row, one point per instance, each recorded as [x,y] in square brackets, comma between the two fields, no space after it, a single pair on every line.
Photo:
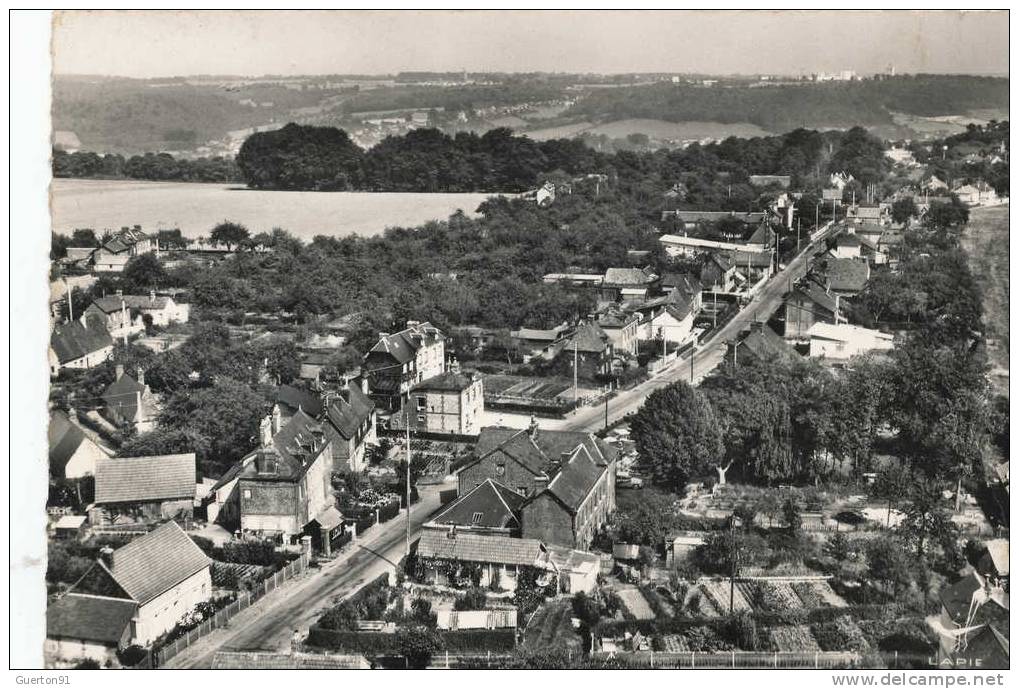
[376,643]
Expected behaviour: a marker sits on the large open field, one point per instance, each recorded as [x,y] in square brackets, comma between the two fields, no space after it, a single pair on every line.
[986,240]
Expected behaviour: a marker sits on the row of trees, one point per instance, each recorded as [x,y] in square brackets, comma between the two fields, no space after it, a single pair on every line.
[161,167]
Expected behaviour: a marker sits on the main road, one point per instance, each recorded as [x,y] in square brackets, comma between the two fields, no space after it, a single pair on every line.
[708,354]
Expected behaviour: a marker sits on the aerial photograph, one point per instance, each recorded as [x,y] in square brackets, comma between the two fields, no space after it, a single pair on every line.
[519,339]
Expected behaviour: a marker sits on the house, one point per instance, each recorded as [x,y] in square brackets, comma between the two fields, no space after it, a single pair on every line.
[574,506]
[490,509]
[934,184]
[846,276]
[350,425]
[578,570]
[844,341]
[717,272]
[759,343]
[161,576]
[770,181]
[115,315]
[974,615]
[686,285]
[113,254]
[754,265]
[680,547]
[131,312]
[840,180]
[70,527]
[144,489]
[807,304]
[993,564]
[129,403]
[501,559]
[876,214]
[531,342]
[87,627]
[846,246]
[668,318]
[449,403]
[834,195]
[691,220]
[476,619]
[977,194]
[399,361]
[621,327]
[73,453]
[900,156]
[590,347]
[79,344]
[677,246]
[627,284]
[575,282]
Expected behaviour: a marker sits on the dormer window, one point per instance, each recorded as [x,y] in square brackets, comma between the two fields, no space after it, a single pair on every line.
[476,517]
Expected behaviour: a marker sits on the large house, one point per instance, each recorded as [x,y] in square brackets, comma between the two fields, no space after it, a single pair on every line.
[400,360]
[346,412]
[114,253]
[144,489]
[668,318]
[490,509]
[973,626]
[79,344]
[73,453]
[622,328]
[590,347]
[449,403]
[627,284]
[131,312]
[568,479]
[128,402]
[131,595]
[501,560]
[807,304]
[283,488]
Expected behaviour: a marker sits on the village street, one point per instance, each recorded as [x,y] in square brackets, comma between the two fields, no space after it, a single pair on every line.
[269,624]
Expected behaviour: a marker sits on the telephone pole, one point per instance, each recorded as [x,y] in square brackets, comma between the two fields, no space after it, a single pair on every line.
[575,373]
[407,425]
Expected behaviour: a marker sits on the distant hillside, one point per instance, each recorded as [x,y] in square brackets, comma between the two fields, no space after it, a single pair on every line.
[813,105]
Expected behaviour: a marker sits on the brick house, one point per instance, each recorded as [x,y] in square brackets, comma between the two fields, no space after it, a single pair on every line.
[144,489]
[160,576]
[451,402]
[400,360]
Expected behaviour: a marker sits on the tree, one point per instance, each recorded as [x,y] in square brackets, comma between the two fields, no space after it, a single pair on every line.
[647,521]
[903,210]
[925,517]
[676,435]
[891,484]
[418,645]
[228,233]
[791,515]
[143,273]
[889,563]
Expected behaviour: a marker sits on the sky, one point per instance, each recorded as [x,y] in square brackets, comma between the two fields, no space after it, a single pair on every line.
[250,43]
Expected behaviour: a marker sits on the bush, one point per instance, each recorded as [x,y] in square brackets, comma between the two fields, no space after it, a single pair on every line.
[370,603]
[87,664]
[417,645]
[132,655]
[421,612]
[473,599]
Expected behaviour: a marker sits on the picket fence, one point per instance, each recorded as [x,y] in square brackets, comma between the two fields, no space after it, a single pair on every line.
[693,660]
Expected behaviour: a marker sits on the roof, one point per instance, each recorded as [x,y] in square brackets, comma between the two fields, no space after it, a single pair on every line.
[89,618]
[539,335]
[450,381]
[765,344]
[496,504]
[64,439]
[403,345]
[844,332]
[682,281]
[959,598]
[576,561]
[465,547]
[74,340]
[874,212]
[588,337]
[762,235]
[713,216]
[297,398]
[517,445]
[847,274]
[698,243]
[629,276]
[755,259]
[243,660]
[122,396]
[112,304]
[156,562]
[70,521]
[556,444]
[813,292]
[348,410]
[614,318]
[329,518]
[997,550]
[576,479]
[830,194]
[145,479]
[476,619]
[849,240]
[723,261]
[761,180]
[298,441]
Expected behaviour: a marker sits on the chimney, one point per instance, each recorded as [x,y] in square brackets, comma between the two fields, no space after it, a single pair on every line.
[532,428]
[265,432]
[277,419]
[106,555]
[141,376]
[454,366]
[152,295]
[119,368]
[364,384]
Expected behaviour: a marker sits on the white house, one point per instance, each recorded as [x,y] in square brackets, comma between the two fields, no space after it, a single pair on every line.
[79,344]
[843,341]
[73,454]
[669,319]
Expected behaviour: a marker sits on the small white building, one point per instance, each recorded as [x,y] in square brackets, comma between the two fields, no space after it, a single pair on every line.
[843,341]
[73,453]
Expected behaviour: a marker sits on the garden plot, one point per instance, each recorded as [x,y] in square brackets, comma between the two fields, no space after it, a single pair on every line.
[793,639]
[830,597]
[673,643]
[551,627]
[718,593]
[636,604]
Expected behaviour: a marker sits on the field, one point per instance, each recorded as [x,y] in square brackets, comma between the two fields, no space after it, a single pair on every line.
[662,130]
[636,603]
[986,242]
[563,131]
[196,208]
[532,388]
[551,627]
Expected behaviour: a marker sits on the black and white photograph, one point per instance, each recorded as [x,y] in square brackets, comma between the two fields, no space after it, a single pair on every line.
[519,340]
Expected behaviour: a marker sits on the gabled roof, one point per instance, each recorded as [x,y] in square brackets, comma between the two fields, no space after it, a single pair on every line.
[403,345]
[997,551]
[112,304]
[723,261]
[156,562]
[556,444]
[576,479]
[122,396]
[614,318]
[629,276]
[297,443]
[64,439]
[755,259]
[465,547]
[74,340]
[713,216]
[589,338]
[765,344]
[682,282]
[517,446]
[145,479]
[847,240]
[847,274]
[298,398]
[450,381]
[813,292]
[89,618]
[964,598]
[496,504]
[762,235]
[348,410]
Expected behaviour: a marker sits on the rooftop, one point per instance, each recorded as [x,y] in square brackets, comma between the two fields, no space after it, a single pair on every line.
[490,506]
[465,547]
[89,618]
[74,340]
[156,562]
[145,479]
[450,381]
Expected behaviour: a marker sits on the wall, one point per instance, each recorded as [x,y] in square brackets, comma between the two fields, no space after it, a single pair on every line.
[266,506]
[83,461]
[164,611]
[318,490]
[548,521]
[66,650]
[514,476]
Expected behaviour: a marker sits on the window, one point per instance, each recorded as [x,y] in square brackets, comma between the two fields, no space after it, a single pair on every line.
[247,494]
[421,401]
[476,517]
[421,418]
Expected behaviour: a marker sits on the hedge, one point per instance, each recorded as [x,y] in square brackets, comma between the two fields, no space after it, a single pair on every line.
[479,639]
[378,643]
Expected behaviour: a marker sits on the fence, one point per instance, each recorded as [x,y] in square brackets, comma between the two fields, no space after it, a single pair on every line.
[731,659]
[245,600]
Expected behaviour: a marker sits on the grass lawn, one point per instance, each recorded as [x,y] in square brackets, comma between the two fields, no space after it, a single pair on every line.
[986,242]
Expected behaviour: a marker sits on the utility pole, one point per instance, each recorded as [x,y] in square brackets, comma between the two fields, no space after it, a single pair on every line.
[607,407]
[407,424]
[733,554]
[70,301]
[693,349]
[798,235]
[575,377]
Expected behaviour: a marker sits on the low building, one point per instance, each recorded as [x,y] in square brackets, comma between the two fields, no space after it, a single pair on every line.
[977,194]
[79,344]
[70,527]
[531,342]
[843,341]
[501,560]
[133,311]
[129,403]
[807,304]
[846,246]
[160,576]
[73,453]
[627,284]
[878,214]
[578,570]
[759,343]
[144,489]
[679,548]
[449,403]
[782,181]
[80,627]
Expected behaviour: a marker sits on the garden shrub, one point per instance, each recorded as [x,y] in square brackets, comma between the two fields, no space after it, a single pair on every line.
[473,599]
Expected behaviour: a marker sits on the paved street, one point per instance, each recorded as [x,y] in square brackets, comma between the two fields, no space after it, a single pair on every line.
[269,623]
